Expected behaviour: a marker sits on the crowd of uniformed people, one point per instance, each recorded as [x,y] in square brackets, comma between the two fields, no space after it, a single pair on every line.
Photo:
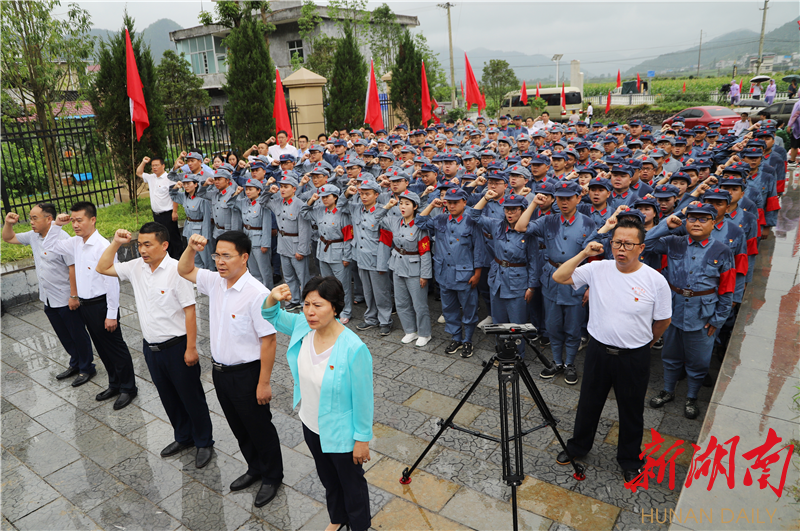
[479,210]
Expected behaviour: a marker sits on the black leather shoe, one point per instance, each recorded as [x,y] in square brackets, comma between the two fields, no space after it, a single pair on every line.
[82,379]
[173,448]
[72,371]
[243,481]
[124,399]
[563,458]
[630,475]
[265,494]
[105,395]
[203,457]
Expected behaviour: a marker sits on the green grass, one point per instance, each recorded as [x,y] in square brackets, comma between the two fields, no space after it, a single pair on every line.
[109,219]
[693,86]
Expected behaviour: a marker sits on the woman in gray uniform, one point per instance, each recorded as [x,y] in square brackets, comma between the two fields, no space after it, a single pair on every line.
[198,214]
[257,224]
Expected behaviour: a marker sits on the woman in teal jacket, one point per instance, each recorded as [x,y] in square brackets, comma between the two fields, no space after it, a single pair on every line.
[332,371]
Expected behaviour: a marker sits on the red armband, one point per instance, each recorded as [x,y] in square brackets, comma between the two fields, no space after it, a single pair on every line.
[727,281]
[780,186]
[761,219]
[773,203]
[741,264]
[347,233]
[664,262]
[424,245]
[386,237]
[752,246]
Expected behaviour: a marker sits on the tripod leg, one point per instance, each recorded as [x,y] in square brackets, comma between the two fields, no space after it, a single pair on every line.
[406,479]
[551,420]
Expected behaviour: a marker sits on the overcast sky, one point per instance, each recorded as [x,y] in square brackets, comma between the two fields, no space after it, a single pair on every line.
[605,36]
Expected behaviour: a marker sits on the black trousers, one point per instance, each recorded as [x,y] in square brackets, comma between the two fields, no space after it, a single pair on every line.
[110,346]
[346,490]
[628,373]
[68,326]
[175,248]
[250,423]
[181,394]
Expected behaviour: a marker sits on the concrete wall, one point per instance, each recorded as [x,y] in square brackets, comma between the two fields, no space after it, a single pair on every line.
[19,283]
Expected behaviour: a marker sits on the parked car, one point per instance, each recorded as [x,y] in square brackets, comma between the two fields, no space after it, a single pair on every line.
[750,106]
[706,114]
[780,111]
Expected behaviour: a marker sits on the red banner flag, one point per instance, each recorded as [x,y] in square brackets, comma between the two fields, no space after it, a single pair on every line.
[473,96]
[638,83]
[523,94]
[608,101]
[373,115]
[619,79]
[463,94]
[563,100]
[684,86]
[426,98]
[135,93]
[435,103]
[538,86]
[279,111]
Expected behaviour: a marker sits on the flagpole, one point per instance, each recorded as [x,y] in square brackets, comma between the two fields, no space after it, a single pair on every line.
[135,185]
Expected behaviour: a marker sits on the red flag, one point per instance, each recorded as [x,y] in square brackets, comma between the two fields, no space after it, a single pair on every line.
[373,115]
[279,111]
[483,101]
[463,94]
[751,88]
[473,96]
[563,100]
[638,83]
[608,101]
[684,86]
[435,106]
[426,98]
[523,94]
[135,93]
[619,79]
[538,86]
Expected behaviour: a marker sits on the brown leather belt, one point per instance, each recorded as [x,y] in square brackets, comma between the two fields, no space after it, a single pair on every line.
[329,242]
[249,227]
[488,236]
[691,293]
[404,252]
[555,264]
[193,220]
[315,227]
[504,263]
[221,227]
[286,233]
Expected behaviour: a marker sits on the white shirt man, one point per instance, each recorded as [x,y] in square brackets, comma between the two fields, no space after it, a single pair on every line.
[52,269]
[159,186]
[589,112]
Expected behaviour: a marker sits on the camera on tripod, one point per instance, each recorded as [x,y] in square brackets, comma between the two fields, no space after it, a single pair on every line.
[510,336]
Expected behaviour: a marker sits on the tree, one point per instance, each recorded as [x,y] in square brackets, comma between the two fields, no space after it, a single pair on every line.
[249,84]
[319,47]
[231,13]
[497,79]
[178,88]
[43,56]
[406,84]
[384,38]
[352,15]
[348,85]
[440,89]
[109,98]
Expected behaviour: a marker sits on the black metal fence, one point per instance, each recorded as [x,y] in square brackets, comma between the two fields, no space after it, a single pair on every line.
[63,165]
[387,110]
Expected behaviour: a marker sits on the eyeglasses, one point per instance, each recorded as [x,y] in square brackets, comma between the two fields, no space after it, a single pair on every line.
[693,219]
[223,257]
[616,244]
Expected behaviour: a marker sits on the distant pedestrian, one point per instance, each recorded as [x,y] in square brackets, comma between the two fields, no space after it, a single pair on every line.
[769,95]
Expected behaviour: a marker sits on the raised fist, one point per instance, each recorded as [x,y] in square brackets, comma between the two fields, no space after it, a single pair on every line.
[274,189]
[480,181]
[197,243]
[438,202]
[238,191]
[391,203]
[62,219]
[674,222]
[305,179]
[12,218]
[491,195]
[594,248]
[122,236]
[282,293]
[429,190]
[146,160]
[206,160]
[208,182]
[525,191]
[351,190]
[242,164]
[183,155]
[314,198]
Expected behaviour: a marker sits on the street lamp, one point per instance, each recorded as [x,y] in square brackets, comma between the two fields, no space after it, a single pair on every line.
[557,57]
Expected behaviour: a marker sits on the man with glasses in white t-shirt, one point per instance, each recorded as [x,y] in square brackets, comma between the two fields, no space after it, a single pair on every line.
[631,307]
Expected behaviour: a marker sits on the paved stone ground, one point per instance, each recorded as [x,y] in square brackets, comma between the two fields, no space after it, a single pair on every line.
[69,462]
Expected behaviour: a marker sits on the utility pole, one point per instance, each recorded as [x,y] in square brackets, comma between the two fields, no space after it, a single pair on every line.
[761,40]
[447,6]
[699,51]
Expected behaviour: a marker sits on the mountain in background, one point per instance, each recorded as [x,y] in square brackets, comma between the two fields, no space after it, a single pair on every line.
[784,40]
[527,67]
[156,35]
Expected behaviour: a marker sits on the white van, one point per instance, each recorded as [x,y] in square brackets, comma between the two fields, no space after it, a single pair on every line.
[574,99]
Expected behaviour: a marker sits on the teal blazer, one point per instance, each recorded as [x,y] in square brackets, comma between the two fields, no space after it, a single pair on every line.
[346,402]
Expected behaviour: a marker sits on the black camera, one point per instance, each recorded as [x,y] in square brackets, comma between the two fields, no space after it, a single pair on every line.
[510,337]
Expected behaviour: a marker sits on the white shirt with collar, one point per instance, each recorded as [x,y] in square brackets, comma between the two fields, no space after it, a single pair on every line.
[161,296]
[234,317]
[52,269]
[159,191]
[91,284]
[275,151]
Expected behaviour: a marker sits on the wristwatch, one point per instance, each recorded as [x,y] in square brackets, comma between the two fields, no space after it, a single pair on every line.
[74,297]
